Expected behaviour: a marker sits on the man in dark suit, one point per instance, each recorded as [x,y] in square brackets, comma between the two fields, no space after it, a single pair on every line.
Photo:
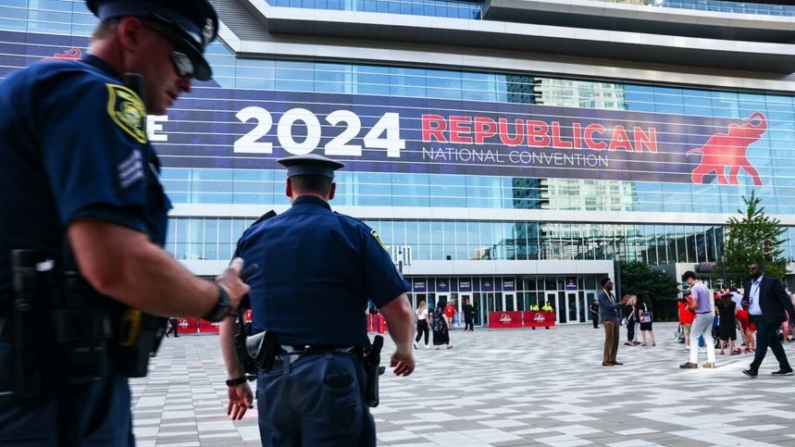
[768,306]
[609,311]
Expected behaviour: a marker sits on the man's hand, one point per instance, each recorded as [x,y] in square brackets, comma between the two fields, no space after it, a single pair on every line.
[402,364]
[230,280]
[240,400]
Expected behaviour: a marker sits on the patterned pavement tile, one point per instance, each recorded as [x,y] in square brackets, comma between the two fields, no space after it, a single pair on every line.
[500,388]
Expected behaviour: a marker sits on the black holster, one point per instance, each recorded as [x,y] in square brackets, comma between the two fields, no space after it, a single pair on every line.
[372,370]
[137,337]
[57,336]
[259,351]
[250,366]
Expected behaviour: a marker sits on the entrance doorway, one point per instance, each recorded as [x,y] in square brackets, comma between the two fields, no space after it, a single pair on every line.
[570,308]
[508,301]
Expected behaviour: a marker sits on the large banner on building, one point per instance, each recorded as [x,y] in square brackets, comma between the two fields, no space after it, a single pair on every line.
[228,128]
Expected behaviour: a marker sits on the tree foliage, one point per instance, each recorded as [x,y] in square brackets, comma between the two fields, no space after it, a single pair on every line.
[753,236]
[638,278]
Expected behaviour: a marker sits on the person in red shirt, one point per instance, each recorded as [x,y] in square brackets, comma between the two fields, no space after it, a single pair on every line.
[450,310]
[686,318]
[747,327]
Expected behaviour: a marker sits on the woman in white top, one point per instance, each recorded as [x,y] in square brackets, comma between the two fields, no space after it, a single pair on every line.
[422,324]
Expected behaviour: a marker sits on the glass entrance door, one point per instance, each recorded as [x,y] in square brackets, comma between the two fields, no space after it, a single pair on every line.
[573,305]
[556,304]
[508,301]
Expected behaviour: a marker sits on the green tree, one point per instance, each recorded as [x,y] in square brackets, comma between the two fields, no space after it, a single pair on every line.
[638,278]
[753,236]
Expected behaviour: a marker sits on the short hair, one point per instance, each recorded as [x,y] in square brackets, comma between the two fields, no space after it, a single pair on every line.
[688,275]
[303,184]
[759,264]
[105,29]
[604,281]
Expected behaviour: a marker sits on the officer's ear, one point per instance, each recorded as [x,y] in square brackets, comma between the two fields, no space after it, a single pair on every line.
[288,188]
[332,190]
[130,32]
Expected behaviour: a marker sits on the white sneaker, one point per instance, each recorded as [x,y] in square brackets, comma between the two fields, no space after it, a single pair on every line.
[416,346]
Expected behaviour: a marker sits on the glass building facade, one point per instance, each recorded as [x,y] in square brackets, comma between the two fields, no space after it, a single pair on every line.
[454,216]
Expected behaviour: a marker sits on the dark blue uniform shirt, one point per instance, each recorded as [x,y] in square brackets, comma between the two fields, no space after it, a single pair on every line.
[317,270]
[74,145]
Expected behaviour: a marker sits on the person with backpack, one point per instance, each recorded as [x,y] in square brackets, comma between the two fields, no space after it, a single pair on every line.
[440,325]
[645,316]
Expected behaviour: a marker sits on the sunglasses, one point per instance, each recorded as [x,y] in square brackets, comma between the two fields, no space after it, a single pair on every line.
[182,63]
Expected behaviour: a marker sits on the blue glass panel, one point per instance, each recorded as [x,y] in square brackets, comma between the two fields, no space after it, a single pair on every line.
[294,76]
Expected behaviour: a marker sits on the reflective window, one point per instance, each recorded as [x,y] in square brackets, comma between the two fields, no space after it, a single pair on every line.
[215,238]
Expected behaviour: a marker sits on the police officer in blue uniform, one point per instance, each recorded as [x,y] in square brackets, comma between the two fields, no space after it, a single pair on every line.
[81,198]
[317,271]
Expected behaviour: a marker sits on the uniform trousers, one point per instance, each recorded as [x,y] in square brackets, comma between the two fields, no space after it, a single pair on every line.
[767,336]
[702,325]
[96,414]
[611,341]
[315,402]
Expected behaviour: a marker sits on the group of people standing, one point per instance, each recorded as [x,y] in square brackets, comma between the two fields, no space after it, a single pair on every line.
[629,311]
[440,321]
[765,305]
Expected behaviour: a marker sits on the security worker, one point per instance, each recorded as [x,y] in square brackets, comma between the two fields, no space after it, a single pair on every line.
[79,172]
[546,308]
[317,271]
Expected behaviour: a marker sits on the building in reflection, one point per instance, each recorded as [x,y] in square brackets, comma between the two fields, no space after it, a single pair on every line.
[507,152]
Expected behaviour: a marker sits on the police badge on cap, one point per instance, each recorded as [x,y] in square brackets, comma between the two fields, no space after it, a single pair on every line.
[190,24]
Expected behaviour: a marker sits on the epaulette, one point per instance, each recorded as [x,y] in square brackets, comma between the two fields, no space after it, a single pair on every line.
[261,219]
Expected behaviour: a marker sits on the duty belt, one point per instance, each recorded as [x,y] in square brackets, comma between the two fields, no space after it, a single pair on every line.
[291,353]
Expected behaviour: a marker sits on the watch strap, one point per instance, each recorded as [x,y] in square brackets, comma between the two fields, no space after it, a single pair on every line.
[222,306]
[238,381]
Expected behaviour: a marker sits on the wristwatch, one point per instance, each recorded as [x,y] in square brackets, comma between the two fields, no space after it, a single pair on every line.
[221,308]
[235,382]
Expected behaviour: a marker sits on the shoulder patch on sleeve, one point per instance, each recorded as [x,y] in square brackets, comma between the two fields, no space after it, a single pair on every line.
[374,234]
[127,111]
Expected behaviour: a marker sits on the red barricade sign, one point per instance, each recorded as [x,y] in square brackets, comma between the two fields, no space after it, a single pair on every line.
[539,318]
[505,319]
[208,327]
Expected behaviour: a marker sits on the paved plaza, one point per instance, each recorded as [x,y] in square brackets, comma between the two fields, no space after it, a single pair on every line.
[505,388]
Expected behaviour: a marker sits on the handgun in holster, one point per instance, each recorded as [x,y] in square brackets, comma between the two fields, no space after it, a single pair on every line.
[260,351]
[253,351]
[372,370]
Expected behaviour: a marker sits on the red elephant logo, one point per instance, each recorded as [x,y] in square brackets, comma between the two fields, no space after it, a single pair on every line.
[73,53]
[724,150]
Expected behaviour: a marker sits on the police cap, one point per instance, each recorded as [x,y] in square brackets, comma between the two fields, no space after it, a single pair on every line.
[191,24]
[310,164]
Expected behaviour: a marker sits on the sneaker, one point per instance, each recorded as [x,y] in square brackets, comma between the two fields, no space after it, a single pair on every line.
[750,373]
[416,346]
[709,365]
[782,372]
[689,365]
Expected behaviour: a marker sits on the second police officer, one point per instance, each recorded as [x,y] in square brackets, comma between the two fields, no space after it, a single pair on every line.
[82,206]
[317,271]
